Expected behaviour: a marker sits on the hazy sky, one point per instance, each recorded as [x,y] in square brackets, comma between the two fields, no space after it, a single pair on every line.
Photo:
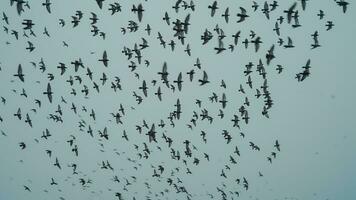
[313,120]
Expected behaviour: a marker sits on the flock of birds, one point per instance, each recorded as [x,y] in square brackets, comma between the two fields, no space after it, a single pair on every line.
[149,143]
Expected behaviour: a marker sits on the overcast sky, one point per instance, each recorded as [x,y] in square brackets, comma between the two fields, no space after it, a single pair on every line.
[314,120]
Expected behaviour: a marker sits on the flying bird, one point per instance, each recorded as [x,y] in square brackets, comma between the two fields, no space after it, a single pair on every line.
[49,92]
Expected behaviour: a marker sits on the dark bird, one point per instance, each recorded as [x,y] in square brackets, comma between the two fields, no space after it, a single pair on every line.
[159,93]
[343,4]
[220,47]
[197,63]
[28,120]
[139,9]
[304,4]
[243,15]
[255,6]
[279,69]
[19,74]
[223,100]
[100,3]
[5,18]
[144,88]
[179,81]
[266,10]
[152,134]
[27,188]
[321,14]
[19,6]
[166,18]
[49,92]
[213,8]
[270,55]
[45,32]
[104,59]
[30,46]
[47,4]
[329,25]
[290,12]
[57,164]
[191,75]
[18,114]
[53,182]
[277,146]
[257,43]
[277,29]
[289,43]
[22,145]
[94,18]
[188,50]
[204,80]
[226,15]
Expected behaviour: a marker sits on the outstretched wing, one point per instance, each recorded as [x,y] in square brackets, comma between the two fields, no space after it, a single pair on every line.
[100,3]
[139,13]
[180,81]
[19,73]
[105,59]
[49,92]
[19,7]
[205,76]
[48,6]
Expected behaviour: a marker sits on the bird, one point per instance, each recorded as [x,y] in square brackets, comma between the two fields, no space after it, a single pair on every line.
[290,11]
[139,9]
[304,3]
[220,48]
[5,18]
[152,134]
[179,81]
[49,92]
[20,74]
[204,80]
[321,14]
[144,88]
[343,4]
[277,146]
[226,15]
[22,145]
[100,3]
[242,15]
[289,43]
[266,10]
[104,59]
[47,4]
[166,18]
[27,188]
[213,8]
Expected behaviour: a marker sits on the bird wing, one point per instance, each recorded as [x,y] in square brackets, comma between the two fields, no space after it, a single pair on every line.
[105,59]
[48,6]
[227,15]
[180,81]
[19,7]
[144,88]
[205,76]
[49,92]
[100,3]
[159,93]
[186,22]
[290,11]
[19,70]
[139,13]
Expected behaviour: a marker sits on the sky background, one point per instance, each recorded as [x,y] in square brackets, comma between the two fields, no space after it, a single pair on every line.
[313,120]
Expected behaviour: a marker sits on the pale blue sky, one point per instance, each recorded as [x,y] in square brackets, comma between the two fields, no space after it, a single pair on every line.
[314,120]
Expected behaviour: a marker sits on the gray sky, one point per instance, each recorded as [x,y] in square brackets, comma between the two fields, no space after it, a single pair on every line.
[313,120]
